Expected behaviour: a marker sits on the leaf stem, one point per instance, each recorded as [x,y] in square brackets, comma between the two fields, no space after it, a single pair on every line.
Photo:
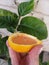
[18,24]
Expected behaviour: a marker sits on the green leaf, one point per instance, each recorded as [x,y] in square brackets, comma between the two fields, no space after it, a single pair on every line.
[33,26]
[25,7]
[8,20]
[3,47]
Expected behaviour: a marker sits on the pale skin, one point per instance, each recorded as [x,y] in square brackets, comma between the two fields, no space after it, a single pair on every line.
[31,58]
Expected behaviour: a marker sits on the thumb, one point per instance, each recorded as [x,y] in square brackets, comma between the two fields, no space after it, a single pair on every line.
[36,50]
[33,55]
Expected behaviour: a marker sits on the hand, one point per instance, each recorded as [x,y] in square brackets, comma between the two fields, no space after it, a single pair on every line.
[31,58]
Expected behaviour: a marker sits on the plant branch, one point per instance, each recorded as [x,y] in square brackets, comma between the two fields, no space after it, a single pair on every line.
[18,23]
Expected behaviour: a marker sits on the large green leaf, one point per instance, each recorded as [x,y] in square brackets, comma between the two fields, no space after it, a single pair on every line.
[8,20]
[25,8]
[33,26]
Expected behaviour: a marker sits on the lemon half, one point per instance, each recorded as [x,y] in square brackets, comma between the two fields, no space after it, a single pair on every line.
[23,43]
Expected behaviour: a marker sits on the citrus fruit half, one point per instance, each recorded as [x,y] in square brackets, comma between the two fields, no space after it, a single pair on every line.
[21,42]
